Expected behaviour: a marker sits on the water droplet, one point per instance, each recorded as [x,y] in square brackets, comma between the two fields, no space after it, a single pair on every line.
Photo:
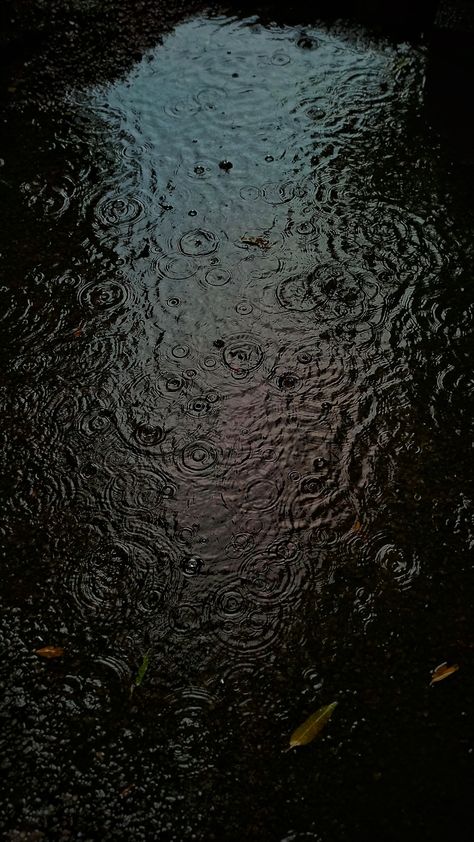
[192,565]
[261,495]
[98,423]
[243,354]
[305,42]
[315,114]
[217,277]
[119,211]
[311,485]
[105,295]
[288,381]
[243,540]
[180,351]
[198,407]
[89,469]
[198,242]
[244,308]
[279,59]
[149,435]
[250,193]
[177,267]
[276,193]
[199,457]
[306,228]
[300,293]
[173,384]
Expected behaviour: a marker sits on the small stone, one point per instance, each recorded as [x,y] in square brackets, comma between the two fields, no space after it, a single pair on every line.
[225,165]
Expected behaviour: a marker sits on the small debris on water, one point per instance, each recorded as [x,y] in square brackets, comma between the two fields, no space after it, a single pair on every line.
[259,242]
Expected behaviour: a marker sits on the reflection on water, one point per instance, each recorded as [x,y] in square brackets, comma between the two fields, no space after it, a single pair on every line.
[224,386]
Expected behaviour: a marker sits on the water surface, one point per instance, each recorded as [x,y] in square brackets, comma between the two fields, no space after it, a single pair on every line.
[237,438]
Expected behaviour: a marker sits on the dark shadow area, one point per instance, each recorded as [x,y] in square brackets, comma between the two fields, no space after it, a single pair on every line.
[450,79]
[50,43]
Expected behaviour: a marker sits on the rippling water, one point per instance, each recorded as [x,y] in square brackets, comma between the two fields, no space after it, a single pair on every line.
[235,386]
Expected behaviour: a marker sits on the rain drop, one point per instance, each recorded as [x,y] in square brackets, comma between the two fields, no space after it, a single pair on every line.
[192,565]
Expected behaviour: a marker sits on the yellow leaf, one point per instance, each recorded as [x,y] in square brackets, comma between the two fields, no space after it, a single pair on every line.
[50,652]
[442,672]
[312,726]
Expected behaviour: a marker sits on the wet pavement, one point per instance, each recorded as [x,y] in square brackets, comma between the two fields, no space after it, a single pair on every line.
[236,396]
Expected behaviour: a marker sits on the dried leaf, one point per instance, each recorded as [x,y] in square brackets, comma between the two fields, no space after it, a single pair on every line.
[260,242]
[127,790]
[142,670]
[50,652]
[312,726]
[442,672]
[400,64]
[357,526]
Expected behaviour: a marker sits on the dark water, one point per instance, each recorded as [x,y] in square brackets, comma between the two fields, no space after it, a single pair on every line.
[237,436]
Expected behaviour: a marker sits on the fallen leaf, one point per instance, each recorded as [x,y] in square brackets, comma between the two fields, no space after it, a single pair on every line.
[260,242]
[442,672]
[77,332]
[142,670]
[50,652]
[127,790]
[311,726]
[357,526]
[400,64]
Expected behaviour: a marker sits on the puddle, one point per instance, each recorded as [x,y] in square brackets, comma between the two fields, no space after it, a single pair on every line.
[235,349]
